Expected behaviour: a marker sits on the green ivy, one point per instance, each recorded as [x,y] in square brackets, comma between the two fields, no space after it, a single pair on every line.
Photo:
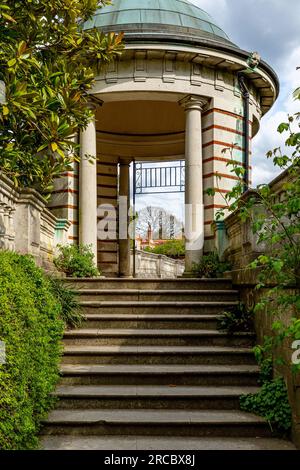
[76,261]
[272,403]
[31,328]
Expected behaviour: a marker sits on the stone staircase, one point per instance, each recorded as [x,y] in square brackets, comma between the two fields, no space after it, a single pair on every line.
[149,370]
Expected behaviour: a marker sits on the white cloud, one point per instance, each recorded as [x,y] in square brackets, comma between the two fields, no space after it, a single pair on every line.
[174,203]
[268,138]
[272,28]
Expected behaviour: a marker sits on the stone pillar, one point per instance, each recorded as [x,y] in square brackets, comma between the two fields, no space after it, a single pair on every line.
[30,206]
[194,209]
[88,187]
[124,205]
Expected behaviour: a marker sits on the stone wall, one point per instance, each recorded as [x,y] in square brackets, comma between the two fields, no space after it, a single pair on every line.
[151,265]
[26,224]
[239,245]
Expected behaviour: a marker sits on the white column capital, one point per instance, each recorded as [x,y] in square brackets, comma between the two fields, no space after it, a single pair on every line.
[193,102]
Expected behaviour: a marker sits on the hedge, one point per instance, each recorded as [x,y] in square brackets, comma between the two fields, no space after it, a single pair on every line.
[31,327]
[172,248]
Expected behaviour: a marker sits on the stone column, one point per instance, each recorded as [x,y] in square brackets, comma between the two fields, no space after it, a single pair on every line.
[194,210]
[124,204]
[88,187]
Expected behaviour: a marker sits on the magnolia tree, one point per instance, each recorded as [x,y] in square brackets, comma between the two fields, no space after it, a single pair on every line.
[48,64]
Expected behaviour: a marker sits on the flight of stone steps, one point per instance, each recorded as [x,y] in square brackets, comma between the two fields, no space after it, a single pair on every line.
[149,370]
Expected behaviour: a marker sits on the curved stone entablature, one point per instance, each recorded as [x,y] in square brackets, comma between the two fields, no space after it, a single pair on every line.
[184,70]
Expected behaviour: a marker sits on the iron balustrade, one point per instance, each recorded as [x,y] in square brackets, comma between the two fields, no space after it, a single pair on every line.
[159,179]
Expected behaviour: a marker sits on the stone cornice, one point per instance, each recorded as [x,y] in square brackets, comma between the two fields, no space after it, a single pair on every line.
[7,188]
[31,196]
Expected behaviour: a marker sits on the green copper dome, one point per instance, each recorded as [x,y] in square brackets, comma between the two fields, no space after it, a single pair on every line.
[168,19]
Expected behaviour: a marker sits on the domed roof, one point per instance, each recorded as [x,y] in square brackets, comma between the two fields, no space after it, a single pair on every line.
[159,18]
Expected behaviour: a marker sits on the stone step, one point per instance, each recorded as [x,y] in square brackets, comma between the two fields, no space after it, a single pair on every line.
[140,337]
[122,443]
[213,355]
[156,423]
[152,284]
[156,308]
[77,374]
[150,396]
[148,321]
[158,295]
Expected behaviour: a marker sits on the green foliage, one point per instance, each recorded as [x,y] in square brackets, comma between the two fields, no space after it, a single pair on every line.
[210,266]
[48,64]
[264,357]
[275,217]
[76,261]
[272,403]
[71,312]
[31,328]
[237,319]
[172,248]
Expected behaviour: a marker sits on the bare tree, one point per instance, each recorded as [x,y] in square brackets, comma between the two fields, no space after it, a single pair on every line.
[163,224]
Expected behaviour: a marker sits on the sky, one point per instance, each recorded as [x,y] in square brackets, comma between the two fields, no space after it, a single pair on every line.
[272,28]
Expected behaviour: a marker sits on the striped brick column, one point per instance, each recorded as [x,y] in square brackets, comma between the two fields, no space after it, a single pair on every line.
[64,199]
[223,142]
[107,179]
[124,204]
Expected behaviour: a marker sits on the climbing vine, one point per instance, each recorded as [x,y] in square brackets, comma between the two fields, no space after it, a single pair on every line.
[275,217]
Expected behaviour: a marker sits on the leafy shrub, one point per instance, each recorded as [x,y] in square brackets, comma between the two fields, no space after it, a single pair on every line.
[76,261]
[31,329]
[264,357]
[71,312]
[272,403]
[210,266]
[172,248]
[237,319]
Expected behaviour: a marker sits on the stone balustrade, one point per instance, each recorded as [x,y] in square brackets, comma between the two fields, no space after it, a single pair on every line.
[8,201]
[151,265]
[27,225]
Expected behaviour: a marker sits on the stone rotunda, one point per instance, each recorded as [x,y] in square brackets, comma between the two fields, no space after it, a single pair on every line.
[180,91]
